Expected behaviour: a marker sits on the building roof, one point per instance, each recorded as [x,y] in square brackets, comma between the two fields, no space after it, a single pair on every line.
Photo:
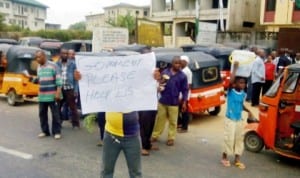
[126,5]
[92,15]
[31,3]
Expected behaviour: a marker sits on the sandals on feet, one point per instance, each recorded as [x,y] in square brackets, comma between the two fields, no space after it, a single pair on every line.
[226,163]
[240,165]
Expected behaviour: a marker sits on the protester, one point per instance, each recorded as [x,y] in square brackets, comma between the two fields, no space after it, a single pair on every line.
[249,83]
[69,86]
[183,118]
[283,61]
[169,101]
[121,134]
[146,121]
[49,79]
[234,124]
[101,125]
[71,54]
[270,74]
[257,77]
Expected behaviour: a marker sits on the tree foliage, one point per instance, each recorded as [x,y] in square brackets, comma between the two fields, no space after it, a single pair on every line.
[78,26]
[62,35]
[128,21]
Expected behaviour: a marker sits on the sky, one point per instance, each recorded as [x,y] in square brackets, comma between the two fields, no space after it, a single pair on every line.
[67,12]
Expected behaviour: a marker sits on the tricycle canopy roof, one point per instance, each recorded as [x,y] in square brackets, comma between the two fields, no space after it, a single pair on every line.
[197,59]
[294,68]
[19,57]
[8,41]
[134,47]
[5,47]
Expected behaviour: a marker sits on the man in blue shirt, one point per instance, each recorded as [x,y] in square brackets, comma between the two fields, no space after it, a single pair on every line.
[168,105]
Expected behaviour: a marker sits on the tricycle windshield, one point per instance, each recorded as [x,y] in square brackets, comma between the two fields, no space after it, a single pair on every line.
[28,66]
[291,82]
[274,89]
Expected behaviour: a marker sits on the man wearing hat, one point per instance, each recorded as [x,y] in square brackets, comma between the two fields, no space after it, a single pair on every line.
[183,118]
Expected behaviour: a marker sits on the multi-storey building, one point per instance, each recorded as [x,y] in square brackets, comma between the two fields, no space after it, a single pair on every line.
[24,13]
[281,19]
[179,15]
[111,13]
[94,21]
[276,14]
[51,26]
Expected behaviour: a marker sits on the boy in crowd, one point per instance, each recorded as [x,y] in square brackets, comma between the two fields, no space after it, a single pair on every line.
[234,124]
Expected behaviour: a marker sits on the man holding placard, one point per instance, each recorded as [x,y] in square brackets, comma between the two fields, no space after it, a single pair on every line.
[122,119]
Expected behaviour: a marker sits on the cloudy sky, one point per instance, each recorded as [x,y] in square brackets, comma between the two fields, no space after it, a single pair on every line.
[66,12]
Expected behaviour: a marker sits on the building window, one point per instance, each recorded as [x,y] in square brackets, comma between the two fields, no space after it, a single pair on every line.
[270,5]
[1,4]
[215,4]
[35,24]
[145,13]
[7,5]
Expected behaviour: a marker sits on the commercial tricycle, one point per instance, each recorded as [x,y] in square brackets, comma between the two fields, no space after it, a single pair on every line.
[207,92]
[278,127]
[14,80]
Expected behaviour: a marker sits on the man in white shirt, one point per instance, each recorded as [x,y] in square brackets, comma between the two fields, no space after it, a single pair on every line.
[257,77]
[183,118]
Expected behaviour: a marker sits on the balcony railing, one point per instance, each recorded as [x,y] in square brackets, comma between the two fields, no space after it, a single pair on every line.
[208,14]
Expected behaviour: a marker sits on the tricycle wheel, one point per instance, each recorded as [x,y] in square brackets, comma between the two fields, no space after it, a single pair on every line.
[253,142]
[216,111]
[12,97]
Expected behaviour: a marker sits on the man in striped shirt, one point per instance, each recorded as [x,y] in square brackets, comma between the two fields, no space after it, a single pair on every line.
[49,95]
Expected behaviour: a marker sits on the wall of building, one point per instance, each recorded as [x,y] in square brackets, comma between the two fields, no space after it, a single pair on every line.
[243,11]
[113,13]
[283,16]
[96,20]
[25,16]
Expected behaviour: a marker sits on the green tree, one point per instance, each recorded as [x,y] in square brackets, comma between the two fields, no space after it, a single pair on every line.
[2,24]
[78,26]
[127,21]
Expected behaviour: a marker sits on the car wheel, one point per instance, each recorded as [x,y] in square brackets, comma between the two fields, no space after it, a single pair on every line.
[253,142]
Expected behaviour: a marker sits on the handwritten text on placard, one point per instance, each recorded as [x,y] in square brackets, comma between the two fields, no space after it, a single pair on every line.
[117,83]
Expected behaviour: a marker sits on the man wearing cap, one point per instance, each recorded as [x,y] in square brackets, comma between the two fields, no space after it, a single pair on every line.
[183,118]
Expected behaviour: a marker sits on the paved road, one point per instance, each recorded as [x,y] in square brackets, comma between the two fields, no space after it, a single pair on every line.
[195,155]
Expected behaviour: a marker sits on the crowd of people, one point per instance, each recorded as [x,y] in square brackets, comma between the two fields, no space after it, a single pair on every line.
[124,131]
[265,69]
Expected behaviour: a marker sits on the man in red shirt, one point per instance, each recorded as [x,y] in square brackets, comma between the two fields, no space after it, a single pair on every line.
[270,74]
